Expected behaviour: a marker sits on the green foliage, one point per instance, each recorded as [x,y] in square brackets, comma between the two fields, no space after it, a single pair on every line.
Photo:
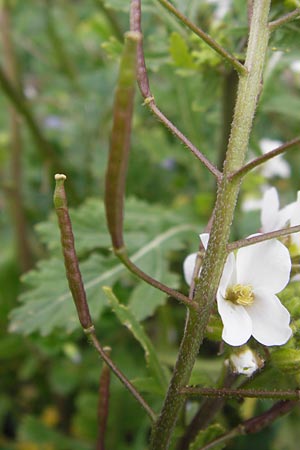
[127,318]
[47,303]
[208,435]
[67,55]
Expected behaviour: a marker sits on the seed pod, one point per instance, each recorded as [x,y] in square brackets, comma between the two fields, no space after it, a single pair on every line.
[70,257]
[120,140]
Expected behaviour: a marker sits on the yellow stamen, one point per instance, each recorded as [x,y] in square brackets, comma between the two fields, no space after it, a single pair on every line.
[240,294]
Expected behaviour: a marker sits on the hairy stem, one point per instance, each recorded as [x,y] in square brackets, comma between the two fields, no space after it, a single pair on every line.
[215,257]
[261,159]
[262,237]
[194,392]
[123,256]
[293,15]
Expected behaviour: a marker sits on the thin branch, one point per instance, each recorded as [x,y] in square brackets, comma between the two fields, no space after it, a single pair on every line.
[124,380]
[293,15]
[14,186]
[43,146]
[103,402]
[194,392]
[77,288]
[261,159]
[208,409]
[123,256]
[239,67]
[255,424]
[135,25]
[262,237]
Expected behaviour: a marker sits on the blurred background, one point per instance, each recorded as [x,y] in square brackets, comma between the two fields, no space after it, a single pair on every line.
[59,64]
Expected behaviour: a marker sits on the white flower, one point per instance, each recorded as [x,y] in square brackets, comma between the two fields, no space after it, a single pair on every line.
[276,166]
[222,8]
[245,362]
[273,218]
[246,296]
[295,66]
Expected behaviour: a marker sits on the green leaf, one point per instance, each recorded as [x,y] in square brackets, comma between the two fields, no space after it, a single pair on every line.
[180,52]
[47,303]
[128,319]
[208,435]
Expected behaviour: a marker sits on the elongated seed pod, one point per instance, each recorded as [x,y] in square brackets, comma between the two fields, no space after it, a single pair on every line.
[120,140]
[70,257]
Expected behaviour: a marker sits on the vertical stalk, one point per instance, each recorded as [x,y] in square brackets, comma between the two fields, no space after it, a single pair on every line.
[215,257]
[14,188]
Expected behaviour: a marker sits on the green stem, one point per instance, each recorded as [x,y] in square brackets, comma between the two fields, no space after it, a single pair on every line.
[293,15]
[216,254]
[261,159]
[195,392]
[205,37]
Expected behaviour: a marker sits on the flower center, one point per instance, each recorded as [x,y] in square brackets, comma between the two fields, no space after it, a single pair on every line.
[240,294]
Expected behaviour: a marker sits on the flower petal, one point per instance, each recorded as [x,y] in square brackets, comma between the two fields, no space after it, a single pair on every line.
[188,267]
[270,319]
[269,210]
[229,274]
[264,265]
[204,239]
[237,323]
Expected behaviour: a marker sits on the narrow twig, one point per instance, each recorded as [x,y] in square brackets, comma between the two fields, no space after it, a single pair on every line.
[14,185]
[135,25]
[255,424]
[43,146]
[92,335]
[262,237]
[194,392]
[77,288]
[261,159]
[284,19]
[206,412]
[123,256]
[103,402]
[239,67]
[60,51]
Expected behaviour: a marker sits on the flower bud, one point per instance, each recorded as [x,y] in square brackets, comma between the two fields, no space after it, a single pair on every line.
[245,361]
[287,360]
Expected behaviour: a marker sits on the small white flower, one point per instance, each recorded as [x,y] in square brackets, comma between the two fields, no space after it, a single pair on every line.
[276,166]
[245,362]
[273,218]
[295,66]
[246,296]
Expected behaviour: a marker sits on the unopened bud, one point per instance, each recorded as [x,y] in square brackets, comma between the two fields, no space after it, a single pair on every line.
[245,361]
